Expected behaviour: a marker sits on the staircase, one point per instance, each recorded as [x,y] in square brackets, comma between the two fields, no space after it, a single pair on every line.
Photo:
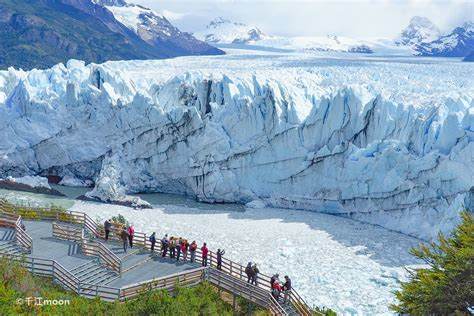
[287,307]
[8,243]
[93,272]
[132,259]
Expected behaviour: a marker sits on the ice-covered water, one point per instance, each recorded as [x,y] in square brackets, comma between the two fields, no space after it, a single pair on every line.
[349,266]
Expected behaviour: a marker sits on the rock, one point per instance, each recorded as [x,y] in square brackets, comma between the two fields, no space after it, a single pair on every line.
[32,184]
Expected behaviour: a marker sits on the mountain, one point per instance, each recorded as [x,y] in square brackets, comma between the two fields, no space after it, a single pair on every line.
[419,30]
[224,31]
[156,30]
[41,33]
[458,43]
[469,57]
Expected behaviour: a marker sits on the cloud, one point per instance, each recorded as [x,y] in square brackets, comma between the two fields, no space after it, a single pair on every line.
[173,16]
[356,18]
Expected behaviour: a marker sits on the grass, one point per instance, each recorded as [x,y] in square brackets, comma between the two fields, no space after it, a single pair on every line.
[17,284]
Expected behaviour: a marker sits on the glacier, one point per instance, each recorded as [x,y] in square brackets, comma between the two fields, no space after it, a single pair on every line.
[388,141]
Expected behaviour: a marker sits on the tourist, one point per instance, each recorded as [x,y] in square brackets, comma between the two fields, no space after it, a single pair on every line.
[286,288]
[220,253]
[152,239]
[131,233]
[184,249]
[107,226]
[273,279]
[255,274]
[164,245]
[172,246]
[124,235]
[178,248]
[249,272]
[192,250]
[204,252]
[276,290]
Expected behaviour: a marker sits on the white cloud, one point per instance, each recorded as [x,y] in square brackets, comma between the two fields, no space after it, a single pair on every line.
[358,18]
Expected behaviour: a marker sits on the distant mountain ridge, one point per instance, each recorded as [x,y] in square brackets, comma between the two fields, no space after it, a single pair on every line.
[458,43]
[225,31]
[41,33]
[419,30]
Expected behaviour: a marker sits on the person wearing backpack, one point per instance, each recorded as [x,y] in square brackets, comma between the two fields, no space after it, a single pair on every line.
[164,245]
[184,249]
[124,235]
[255,274]
[249,272]
[192,250]
[172,246]
[178,248]
[107,226]
[152,240]
[273,279]
[286,289]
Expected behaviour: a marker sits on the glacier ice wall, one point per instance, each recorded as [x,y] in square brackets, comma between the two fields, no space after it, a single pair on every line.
[287,137]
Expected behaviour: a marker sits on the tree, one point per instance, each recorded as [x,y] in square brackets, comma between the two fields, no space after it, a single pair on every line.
[446,287]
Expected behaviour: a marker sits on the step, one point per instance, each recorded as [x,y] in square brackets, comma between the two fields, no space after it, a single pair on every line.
[107,278]
[90,271]
[8,246]
[80,268]
[13,250]
[8,235]
[95,278]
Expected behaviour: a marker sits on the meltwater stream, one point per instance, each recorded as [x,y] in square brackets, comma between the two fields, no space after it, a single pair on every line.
[348,266]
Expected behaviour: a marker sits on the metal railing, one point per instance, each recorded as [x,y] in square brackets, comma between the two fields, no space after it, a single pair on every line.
[170,282]
[67,232]
[62,276]
[21,237]
[106,256]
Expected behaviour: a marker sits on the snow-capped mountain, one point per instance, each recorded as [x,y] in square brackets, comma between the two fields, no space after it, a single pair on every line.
[224,31]
[333,43]
[352,137]
[419,30]
[458,43]
[156,30]
[39,34]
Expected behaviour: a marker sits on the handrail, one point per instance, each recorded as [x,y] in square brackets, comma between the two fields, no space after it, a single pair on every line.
[275,307]
[64,277]
[21,237]
[168,282]
[97,249]
[65,232]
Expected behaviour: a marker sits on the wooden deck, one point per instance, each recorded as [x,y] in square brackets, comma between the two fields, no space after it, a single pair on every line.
[70,248]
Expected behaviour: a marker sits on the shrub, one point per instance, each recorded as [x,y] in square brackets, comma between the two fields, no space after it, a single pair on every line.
[446,287]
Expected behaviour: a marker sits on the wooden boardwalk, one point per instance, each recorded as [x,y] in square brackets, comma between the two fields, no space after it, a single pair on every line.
[70,248]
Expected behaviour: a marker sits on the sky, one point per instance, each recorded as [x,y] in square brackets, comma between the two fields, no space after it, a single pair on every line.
[354,18]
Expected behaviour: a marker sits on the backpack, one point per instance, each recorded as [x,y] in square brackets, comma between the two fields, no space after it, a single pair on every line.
[248,270]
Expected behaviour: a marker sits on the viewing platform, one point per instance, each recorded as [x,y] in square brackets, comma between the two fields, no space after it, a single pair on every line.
[70,248]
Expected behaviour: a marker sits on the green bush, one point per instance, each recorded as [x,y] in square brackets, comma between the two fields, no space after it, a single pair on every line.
[447,286]
[17,283]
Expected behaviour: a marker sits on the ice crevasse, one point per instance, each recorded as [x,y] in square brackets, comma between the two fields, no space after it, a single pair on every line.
[286,140]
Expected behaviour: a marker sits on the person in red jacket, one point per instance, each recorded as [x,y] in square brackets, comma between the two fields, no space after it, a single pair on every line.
[204,251]
[131,232]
